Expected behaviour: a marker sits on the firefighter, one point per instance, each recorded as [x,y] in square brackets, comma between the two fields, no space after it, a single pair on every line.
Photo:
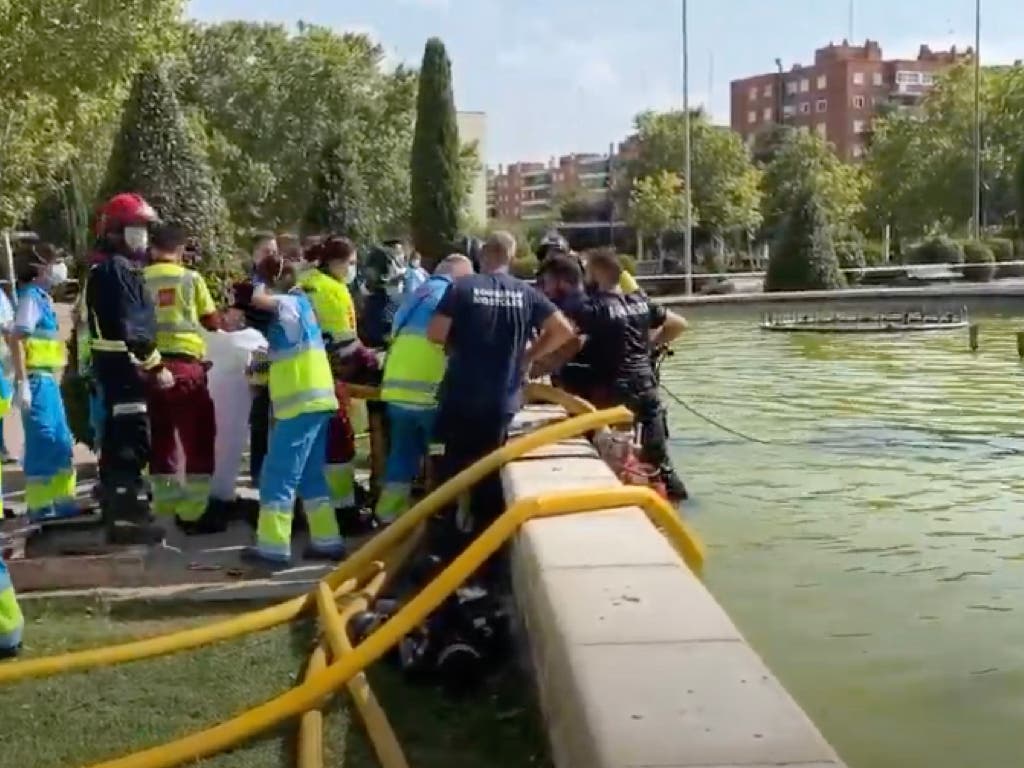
[412,373]
[183,412]
[125,360]
[303,401]
[39,355]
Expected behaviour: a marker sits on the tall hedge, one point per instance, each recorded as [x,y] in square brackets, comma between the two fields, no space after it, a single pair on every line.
[436,195]
[339,203]
[804,255]
[159,155]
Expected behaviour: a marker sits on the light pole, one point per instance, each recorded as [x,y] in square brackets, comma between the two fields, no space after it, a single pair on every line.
[688,234]
[977,120]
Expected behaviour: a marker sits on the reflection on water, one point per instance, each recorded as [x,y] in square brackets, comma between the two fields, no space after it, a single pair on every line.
[874,552]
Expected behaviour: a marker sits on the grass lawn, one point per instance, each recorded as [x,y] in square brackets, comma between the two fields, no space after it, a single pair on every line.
[76,720]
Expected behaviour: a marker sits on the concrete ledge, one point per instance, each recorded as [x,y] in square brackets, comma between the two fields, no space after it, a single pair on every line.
[636,664]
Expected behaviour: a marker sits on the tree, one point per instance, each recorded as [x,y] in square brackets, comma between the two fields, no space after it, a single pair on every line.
[724,181]
[339,202]
[436,188]
[272,98]
[158,155]
[804,257]
[55,107]
[657,205]
[805,166]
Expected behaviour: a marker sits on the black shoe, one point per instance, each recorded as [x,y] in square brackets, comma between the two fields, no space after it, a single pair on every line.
[309,553]
[10,653]
[213,520]
[355,522]
[675,488]
[253,557]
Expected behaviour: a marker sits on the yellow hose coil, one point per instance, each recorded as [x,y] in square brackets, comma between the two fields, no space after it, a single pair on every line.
[352,567]
[306,696]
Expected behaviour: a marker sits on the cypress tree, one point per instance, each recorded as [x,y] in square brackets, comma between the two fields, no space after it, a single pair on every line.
[436,196]
[158,155]
[804,255]
[339,203]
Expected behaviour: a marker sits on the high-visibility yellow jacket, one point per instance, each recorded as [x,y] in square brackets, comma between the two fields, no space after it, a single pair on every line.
[300,374]
[180,297]
[44,350]
[332,302]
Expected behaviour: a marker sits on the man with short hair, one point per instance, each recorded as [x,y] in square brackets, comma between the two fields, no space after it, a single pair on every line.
[183,412]
[486,322]
[412,373]
[621,329]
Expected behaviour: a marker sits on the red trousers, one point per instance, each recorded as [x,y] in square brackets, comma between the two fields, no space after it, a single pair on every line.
[341,439]
[185,410]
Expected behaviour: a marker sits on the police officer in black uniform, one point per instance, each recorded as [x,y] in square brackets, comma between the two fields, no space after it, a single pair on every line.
[621,329]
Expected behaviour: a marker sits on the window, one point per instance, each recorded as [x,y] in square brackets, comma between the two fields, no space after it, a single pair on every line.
[753,93]
[857,151]
[927,79]
[767,114]
[858,102]
[792,86]
[805,85]
[908,78]
[876,78]
[751,117]
[858,78]
[789,110]
[821,105]
[858,126]
[767,92]
[805,108]
[822,130]
[822,82]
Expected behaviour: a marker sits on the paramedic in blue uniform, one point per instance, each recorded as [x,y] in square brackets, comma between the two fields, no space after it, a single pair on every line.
[493,326]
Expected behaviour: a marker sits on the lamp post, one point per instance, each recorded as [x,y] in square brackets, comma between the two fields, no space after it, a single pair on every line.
[977,120]
[688,234]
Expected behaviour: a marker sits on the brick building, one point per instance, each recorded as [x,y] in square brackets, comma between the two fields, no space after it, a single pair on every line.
[531,191]
[837,96]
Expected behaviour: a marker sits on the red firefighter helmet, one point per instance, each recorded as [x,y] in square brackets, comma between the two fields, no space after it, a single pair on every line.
[124,210]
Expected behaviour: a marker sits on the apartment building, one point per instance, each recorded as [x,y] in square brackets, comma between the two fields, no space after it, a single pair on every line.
[839,94]
[531,191]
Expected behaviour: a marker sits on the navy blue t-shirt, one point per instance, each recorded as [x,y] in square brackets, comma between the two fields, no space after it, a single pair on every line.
[493,318]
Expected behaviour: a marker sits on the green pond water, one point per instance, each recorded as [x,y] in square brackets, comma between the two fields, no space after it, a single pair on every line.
[874,552]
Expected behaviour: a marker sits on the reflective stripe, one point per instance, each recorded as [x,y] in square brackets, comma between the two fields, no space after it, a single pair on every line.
[182,327]
[286,354]
[274,533]
[416,386]
[129,409]
[103,345]
[324,534]
[284,403]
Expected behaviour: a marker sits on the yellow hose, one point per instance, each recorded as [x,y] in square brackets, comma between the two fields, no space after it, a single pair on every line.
[305,696]
[311,726]
[537,392]
[382,736]
[352,567]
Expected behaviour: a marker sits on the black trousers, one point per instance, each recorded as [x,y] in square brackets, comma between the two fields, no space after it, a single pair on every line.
[652,419]
[125,450]
[467,438]
[259,431]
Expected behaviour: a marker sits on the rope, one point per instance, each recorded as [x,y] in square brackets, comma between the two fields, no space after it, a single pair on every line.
[712,422]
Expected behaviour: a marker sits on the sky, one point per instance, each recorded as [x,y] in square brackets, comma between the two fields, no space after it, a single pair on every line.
[561,76]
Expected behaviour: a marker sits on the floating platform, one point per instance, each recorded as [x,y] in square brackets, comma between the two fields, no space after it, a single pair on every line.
[885,322]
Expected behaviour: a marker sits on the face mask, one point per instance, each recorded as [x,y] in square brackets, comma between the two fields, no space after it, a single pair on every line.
[351,271]
[58,274]
[137,239]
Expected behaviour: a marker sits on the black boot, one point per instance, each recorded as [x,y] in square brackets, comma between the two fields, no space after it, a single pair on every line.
[355,522]
[127,515]
[213,520]
[10,653]
[675,488]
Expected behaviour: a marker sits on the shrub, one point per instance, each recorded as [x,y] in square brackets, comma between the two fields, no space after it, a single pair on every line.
[1003,250]
[979,261]
[874,253]
[804,257]
[525,268]
[850,252]
[937,250]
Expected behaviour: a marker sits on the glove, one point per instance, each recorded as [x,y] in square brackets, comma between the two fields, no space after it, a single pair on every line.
[23,397]
[164,379]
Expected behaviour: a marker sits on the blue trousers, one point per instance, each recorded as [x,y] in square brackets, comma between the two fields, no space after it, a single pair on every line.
[295,461]
[410,433]
[48,462]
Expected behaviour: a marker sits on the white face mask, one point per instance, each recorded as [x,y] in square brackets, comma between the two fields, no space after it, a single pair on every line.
[58,273]
[136,238]
[351,271]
